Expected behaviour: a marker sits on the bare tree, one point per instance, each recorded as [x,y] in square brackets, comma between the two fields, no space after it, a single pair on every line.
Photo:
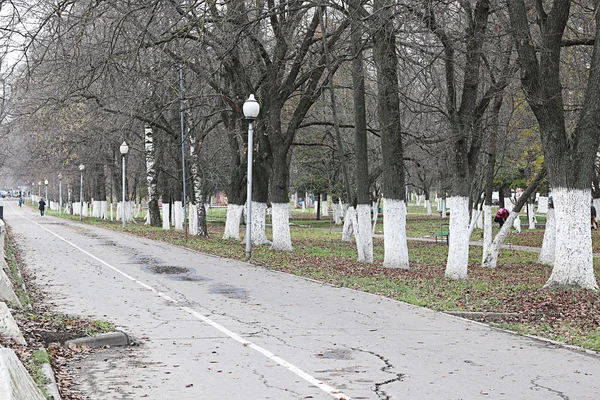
[569,149]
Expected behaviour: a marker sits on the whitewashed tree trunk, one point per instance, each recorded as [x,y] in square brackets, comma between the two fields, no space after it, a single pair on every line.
[479,224]
[375,215]
[337,213]
[458,250]
[349,224]
[443,204]
[233,221]
[111,212]
[95,208]
[104,209]
[573,263]
[364,234]
[475,214]
[259,211]
[325,208]
[490,258]
[394,231]
[86,209]
[282,239]
[178,211]
[166,224]
[193,213]
[316,206]
[120,211]
[418,200]
[531,215]
[548,251]
[428,206]
[517,224]
[129,212]
[304,204]
[488,221]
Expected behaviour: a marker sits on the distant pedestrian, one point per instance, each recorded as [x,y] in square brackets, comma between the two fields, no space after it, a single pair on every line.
[501,216]
[42,206]
[20,201]
[594,223]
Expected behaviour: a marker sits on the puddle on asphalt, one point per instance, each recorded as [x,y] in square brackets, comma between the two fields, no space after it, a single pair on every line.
[148,261]
[229,291]
[189,278]
[166,269]
[336,354]
[173,272]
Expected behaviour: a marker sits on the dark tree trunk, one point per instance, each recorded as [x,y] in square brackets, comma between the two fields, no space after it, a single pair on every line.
[569,153]
[388,103]
[318,196]
[360,120]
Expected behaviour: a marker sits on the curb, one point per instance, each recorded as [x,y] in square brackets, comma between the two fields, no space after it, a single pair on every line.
[101,340]
[51,386]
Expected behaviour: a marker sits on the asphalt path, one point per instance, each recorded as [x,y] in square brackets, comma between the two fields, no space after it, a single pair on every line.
[213,328]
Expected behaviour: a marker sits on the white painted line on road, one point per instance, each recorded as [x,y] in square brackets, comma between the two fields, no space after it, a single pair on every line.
[291,367]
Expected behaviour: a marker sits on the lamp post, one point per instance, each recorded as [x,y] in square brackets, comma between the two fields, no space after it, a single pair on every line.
[46,183]
[124,149]
[60,194]
[251,109]
[81,168]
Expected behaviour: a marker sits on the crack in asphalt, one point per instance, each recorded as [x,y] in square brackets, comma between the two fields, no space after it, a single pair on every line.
[377,388]
[264,381]
[557,392]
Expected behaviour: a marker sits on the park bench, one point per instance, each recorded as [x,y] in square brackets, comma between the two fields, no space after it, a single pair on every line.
[441,236]
[443,232]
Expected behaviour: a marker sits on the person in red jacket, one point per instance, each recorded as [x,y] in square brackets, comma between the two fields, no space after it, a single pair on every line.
[501,216]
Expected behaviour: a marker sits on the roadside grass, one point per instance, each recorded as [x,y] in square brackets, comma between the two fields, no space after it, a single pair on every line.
[36,360]
[515,287]
[14,273]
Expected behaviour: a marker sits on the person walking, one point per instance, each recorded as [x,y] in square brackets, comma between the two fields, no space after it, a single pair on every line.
[42,207]
[20,201]
[593,211]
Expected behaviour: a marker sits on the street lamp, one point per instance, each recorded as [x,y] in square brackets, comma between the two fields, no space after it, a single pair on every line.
[124,149]
[81,168]
[251,109]
[46,183]
[60,193]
